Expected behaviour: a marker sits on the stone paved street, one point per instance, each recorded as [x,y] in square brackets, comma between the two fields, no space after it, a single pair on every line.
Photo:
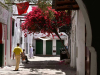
[40,66]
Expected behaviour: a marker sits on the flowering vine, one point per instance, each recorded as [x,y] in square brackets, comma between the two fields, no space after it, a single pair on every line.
[38,20]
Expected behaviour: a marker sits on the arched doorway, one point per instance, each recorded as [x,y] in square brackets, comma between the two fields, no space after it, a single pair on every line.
[93,69]
[93,64]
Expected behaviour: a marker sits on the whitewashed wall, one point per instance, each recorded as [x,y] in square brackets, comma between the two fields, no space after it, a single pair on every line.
[16,38]
[9,62]
[17,34]
[73,40]
[78,44]
[4,15]
[23,40]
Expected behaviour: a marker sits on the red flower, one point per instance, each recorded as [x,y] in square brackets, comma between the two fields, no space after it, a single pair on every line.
[37,20]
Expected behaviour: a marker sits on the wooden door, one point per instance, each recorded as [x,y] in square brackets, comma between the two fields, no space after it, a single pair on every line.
[39,47]
[58,46]
[49,47]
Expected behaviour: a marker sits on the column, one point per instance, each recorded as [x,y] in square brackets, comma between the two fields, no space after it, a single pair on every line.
[54,47]
[81,44]
[44,47]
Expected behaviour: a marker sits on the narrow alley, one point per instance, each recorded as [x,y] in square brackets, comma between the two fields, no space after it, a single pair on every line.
[40,65]
[54,32]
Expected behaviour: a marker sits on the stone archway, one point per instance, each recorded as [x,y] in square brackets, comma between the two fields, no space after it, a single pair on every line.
[93,69]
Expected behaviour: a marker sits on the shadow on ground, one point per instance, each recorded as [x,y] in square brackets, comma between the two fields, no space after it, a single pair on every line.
[47,55]
[52,65]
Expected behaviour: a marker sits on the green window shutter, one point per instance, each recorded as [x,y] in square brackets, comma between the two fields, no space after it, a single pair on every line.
[59,45]
[49,47]
[1,54]
[39,47]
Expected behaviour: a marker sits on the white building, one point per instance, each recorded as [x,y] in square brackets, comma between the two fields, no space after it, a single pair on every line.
[6,30]
[31,39]
[80,54]
[18,36]
[44,45]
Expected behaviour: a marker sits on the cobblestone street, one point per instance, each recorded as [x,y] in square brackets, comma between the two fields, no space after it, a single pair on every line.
[40,66]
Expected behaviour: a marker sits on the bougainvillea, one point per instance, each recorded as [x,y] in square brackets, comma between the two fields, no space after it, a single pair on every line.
[46,21]
[38,20]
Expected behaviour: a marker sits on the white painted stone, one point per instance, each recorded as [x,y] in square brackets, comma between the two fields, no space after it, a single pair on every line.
[44,47]
[8,40]
[54,46]
[73,40]
[93,66]
[81,44]
[88,38]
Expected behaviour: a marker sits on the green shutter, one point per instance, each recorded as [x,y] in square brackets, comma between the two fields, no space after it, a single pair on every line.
[58,46]
[1,55]
[39,47]
[49,47]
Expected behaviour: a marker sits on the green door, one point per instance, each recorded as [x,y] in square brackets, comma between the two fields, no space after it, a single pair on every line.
[39,47]
[1,55]
[58,46]
[49,47]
